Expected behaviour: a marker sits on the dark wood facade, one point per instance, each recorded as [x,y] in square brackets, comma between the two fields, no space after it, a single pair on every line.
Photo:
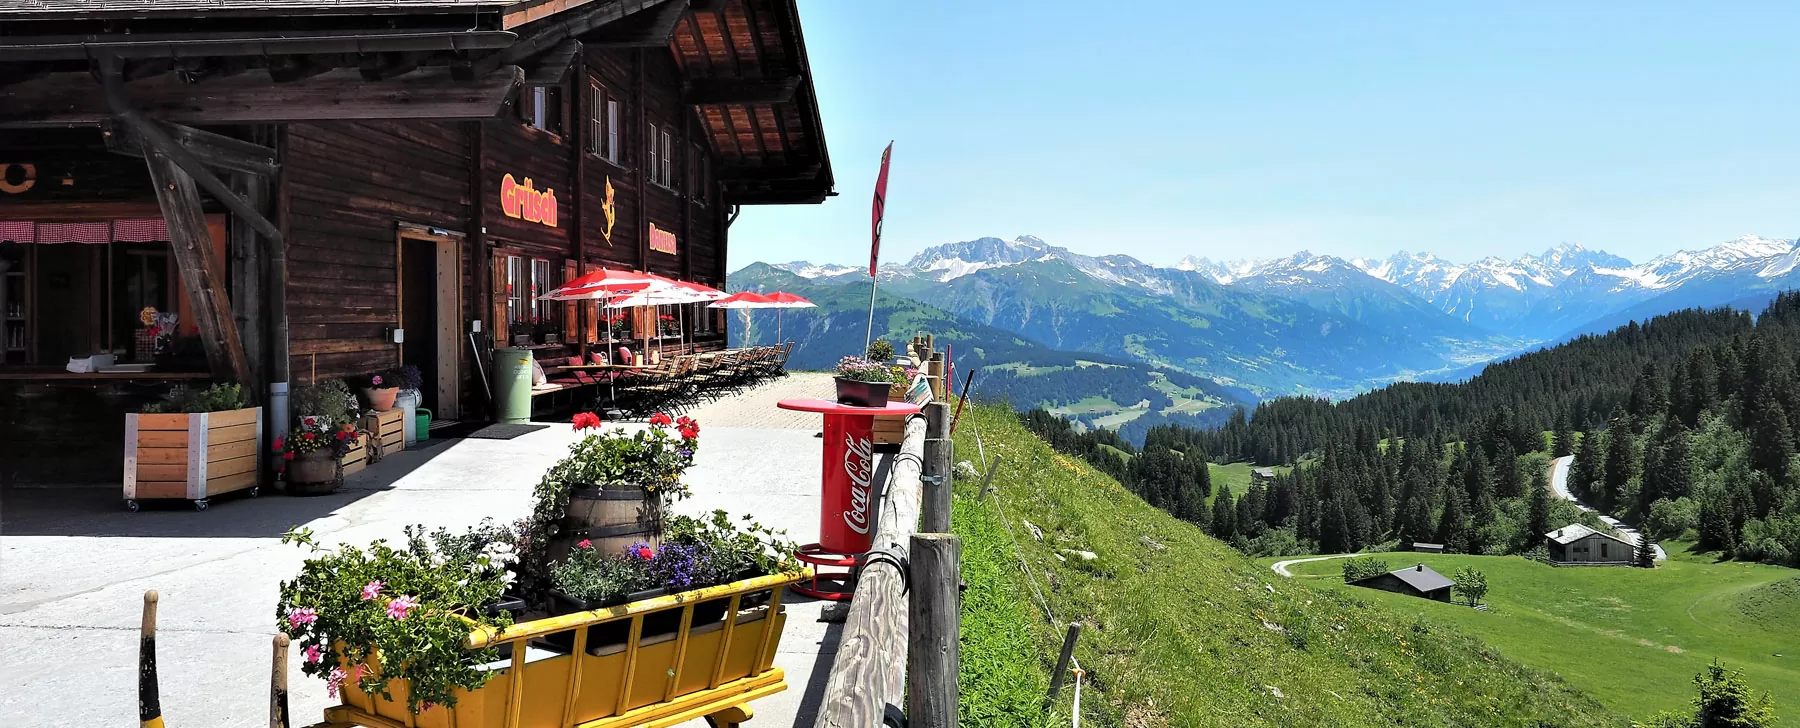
[392,220]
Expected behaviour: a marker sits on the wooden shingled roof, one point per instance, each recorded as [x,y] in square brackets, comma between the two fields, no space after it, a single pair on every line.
[146,8]
[749,81]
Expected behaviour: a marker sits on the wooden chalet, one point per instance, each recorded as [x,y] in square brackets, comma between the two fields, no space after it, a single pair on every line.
[324,188]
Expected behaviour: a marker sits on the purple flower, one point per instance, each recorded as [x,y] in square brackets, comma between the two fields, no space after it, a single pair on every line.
[686,453]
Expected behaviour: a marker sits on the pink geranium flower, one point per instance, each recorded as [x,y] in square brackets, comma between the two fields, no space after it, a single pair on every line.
[584,544]
[401,606]
[302,616]
[333,681]
[371,590]
[314,654]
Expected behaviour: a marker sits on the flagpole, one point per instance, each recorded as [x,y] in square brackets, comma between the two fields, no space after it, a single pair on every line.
[869,333]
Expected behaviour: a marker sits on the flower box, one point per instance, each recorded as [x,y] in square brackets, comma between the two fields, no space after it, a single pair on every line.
[704,668]
[192,456]
[387,430]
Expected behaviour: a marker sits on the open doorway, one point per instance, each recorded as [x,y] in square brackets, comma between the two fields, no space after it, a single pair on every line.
[430,314]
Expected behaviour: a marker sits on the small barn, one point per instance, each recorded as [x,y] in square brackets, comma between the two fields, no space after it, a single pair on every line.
[1418,580]
[1427,548]
[1262,476]
[1576,544]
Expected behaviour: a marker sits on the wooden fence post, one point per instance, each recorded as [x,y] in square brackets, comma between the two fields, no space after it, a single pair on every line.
[278,683]
[938,452]
[1062,661]
[149,701]
[933,655]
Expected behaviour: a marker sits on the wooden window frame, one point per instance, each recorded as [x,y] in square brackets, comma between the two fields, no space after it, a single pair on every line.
[549,121]
[654,162]
[605,136]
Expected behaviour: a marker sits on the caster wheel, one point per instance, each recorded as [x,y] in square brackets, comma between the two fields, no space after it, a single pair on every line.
[132,505]
[201,505]
[255,491]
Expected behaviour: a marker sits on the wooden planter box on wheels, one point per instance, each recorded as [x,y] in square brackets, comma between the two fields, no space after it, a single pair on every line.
[710,670]
[192,456]
[387,430]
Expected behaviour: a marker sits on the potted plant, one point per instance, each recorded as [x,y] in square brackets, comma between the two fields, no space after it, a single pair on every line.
[733,551]
[613,487]
[410,380]
[880,351]
[372,620]
[380,389]
[312,455]
[862,383]
[193,444]
[328,402]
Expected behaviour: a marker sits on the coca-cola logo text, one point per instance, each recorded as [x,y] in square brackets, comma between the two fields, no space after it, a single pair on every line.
[859,463]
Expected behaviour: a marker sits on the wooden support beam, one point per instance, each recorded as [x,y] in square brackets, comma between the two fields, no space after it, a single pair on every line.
[190,244]
[213,150]
[740,90]
[866,681]
[71,98]
[643,30]
[570,23]
[246,253]
[933,653]
[383,66]
[156,139]
[552,68]
[288,69]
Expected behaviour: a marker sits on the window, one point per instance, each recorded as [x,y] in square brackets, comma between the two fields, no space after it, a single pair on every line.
[515,294]
[603,124]
[698,165]
[656,155]
[526,316]
[662,156]
[541,283]
[541,108]
[668,160]
[703,318]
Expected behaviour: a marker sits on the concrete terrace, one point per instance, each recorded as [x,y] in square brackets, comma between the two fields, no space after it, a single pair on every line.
[74,565]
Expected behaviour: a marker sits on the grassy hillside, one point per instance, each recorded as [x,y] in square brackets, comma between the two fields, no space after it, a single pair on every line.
[1179,629]
[1630,637]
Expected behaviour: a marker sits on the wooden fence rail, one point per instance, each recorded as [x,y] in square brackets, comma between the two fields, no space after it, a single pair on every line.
[867,680]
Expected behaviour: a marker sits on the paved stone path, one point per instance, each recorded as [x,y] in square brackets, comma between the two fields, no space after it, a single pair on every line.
[74,566]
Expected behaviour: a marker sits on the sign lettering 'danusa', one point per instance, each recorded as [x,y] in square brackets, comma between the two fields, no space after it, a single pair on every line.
[859,464]
[662,241]
[522,201]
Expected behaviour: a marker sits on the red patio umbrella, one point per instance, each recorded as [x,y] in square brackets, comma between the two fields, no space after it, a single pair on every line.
[779,300]
[740,300]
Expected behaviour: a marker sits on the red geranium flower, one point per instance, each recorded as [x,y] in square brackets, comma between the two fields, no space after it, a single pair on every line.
[645,553]
[661,419]
[586,421]
[306,435]
[342,436]
[280,442]
[287,456]
[688,431]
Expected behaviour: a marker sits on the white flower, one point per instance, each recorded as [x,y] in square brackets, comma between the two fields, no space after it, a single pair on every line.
[506,577]
[499,553]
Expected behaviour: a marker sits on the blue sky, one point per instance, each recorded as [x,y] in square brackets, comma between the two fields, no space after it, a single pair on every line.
[1162,129]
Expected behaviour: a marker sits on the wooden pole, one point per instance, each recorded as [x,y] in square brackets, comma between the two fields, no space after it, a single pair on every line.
[1062,661]
[938,453]
[933,655]
[149,703]
[865,679]
[247,298]
[278,684]
[202,274]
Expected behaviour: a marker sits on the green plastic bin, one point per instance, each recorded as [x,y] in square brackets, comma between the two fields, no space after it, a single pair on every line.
[512,386]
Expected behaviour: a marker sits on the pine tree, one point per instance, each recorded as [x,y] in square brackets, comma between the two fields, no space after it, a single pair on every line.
[1621,461]
[1648,398]
[1507,483]
[1645,554]
[1562,439]
[1453,525]
[1538,522]
[1771,442]
[1224,516]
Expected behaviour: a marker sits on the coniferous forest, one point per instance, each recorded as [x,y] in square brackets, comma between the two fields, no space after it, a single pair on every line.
[1685,424]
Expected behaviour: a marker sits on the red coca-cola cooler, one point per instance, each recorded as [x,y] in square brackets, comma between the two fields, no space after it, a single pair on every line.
[847,502]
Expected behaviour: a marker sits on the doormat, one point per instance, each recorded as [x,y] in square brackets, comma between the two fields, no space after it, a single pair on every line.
[504,432]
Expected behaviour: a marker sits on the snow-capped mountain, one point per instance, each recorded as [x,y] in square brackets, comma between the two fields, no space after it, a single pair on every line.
[944,263]
[808,270]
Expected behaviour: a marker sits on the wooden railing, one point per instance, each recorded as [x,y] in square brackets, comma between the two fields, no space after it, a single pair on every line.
[903,615]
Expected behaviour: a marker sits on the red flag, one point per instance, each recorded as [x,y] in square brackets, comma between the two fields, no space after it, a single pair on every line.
[879,210]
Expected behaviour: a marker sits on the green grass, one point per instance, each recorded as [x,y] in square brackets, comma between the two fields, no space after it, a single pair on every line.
[1632,638]
[1000,682]
[1235,476]
[1195,634]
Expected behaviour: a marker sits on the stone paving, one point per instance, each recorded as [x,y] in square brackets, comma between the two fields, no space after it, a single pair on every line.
[74,565]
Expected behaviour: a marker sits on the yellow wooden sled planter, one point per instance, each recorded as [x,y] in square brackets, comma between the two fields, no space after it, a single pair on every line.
[711,670]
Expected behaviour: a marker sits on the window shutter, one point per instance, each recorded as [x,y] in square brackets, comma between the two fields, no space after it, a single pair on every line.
[497,324]
[571,324]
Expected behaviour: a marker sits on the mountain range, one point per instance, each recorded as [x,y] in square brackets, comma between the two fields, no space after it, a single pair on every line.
[1305,323]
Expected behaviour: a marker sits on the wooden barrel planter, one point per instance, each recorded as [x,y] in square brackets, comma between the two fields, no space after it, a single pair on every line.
[612,518]
[313,473]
